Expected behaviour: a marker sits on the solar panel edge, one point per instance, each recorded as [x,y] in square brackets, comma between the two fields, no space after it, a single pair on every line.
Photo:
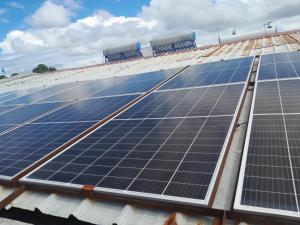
[238,197]
[199,87]
[278,79]
[240,182]
[231,130]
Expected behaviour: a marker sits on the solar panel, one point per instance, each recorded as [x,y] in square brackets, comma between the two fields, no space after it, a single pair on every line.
[5,127]
[90,109]
[4,109]
[24,146]
[279,66]
[173,157]
[193,102]
[15,94]
[84,90]
[269,176]
[137,84]
[27,112]
[33,141]
[167,146]
[222,72]
[40,94]
[5,96]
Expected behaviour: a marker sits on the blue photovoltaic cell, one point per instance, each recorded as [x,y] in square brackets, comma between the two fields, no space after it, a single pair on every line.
[137,84]
[41,94]
[25,145]
[4,109]
[156,75]
[236,70]
[93,109]
[15,94]
[6,96]
[25,113]
[187,102]
[268,98]
[267,71]
[84,90]
[279,65]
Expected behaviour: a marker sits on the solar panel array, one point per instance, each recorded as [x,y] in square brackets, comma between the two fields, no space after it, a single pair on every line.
[167,146]
[269,180]
[55,120]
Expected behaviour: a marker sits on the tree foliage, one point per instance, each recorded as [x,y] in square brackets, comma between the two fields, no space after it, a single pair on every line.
[42,68]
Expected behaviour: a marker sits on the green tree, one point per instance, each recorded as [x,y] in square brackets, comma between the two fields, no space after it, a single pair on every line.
[2,77]
[41,68]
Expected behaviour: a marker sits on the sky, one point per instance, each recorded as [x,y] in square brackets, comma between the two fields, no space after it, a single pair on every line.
[72,33]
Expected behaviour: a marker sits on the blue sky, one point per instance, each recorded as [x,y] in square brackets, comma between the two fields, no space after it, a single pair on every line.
[72,33]
[16,12]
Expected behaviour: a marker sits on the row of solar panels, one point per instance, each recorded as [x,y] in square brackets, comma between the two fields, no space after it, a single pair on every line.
[269,180]
[170,144]
[150,148]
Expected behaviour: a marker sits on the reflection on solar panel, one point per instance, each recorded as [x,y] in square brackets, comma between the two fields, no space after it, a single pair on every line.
[280,65]
[221,72]
[269,180]
[168,146]
[137,84]
[15,94]
[23,114]
[84,90]
[90,109]
[40,94]
[4,109]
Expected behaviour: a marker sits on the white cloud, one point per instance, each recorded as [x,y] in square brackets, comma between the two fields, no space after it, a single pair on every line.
[16,5]
[49,15]
[2,11]
[56,40]
[72,4]
[206,15]
[4,20]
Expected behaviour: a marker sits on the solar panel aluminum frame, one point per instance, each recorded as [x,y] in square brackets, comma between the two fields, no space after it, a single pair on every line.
[237,201]
[156,197]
